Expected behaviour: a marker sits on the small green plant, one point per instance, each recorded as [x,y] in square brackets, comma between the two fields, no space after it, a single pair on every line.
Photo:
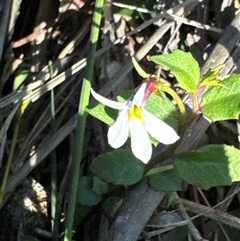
[149,117]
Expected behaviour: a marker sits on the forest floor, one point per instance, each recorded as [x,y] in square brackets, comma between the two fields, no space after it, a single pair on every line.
[42,68]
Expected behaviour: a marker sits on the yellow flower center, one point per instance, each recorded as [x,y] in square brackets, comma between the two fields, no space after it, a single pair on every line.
[135,111]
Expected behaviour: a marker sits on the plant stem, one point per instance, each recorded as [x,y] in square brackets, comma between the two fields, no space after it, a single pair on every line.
[195,104]
[10,157]
[175,97]
[82,114]
[54,206]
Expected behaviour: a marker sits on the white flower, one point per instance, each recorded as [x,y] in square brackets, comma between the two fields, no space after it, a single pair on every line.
[139,122]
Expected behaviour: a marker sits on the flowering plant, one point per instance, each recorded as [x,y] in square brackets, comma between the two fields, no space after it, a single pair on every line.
[139,122]
[148,116]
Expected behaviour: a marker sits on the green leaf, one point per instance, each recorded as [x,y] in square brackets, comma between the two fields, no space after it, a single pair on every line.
[103,113]
[99,186]
[24,106]
[210,166]
[86,194]
[18,84]
[119,167]
[183,66]
[211,77]
[166,181]
[19,79]
[223,103]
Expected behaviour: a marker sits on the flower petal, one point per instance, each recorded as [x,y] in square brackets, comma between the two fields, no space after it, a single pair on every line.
[159,129]
[110,103]
[118,132]
[138,98]
[140,142]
